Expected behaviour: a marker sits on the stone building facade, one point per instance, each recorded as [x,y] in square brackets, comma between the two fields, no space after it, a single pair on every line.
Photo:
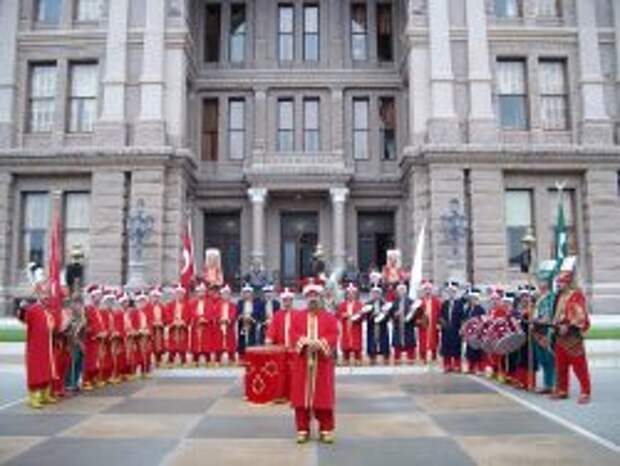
[278,125]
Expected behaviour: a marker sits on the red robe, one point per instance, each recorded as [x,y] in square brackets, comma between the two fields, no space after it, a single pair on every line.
[280,330]
[200,310]
[140,324]
[156,314]
[351,336]
[62,355]
[92,343]
[40,364]
[313,386]
[131,343]
[428,323]
[178,331]
[119,344]
[225,335]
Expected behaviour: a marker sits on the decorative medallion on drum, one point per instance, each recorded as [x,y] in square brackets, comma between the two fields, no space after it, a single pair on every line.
[270,369]
[258,384]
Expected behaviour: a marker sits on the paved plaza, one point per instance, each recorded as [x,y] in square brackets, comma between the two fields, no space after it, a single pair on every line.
[185,417]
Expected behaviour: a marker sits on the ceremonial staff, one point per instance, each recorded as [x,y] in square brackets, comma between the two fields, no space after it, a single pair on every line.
[529,243]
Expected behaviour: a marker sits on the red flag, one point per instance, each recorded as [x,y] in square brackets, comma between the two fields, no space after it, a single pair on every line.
[187,261]
[53,275]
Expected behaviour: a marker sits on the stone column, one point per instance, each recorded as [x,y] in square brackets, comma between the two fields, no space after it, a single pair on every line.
[337,121]
[339,198]
[418,74]
[111,129]
[151,128]
[596,126]
[482,123]
[6,238]
[444,127]
[259,146]
[616,7]
[9,19]
[258,196]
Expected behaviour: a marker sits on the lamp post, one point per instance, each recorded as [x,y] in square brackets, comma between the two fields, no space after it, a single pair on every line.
[529,245]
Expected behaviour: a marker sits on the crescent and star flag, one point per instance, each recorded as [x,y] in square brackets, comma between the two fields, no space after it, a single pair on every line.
[53,276]
[187,261]
[415,279]
[561,235]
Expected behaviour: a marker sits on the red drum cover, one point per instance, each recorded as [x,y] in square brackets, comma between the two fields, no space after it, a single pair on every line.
[471,332]
[265,373]
[509,336]
[487,337]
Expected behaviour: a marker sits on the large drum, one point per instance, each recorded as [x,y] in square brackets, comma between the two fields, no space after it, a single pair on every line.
[487,336]
[471,331]
[508,335]
[266,373]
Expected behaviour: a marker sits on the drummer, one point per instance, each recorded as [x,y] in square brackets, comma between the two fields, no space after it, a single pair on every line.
[473,309]
[498,309]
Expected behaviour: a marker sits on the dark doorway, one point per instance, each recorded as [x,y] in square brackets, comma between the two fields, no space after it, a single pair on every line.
[300,234]
[375,232]
[223,231]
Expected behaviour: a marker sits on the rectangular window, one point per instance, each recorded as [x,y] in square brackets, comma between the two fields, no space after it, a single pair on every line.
[76,222]
[236,128]
[549,8]
[512,94]
[210,125]
[360,128]
[42,98]
[553,94]
[311,32]
[359,32]
[88,10]
[387,129]
[213,17]
[518,220]
[285,32]
[48,11]
[508,8]
[83,97]
[237,32]
[569,206]
[285,125]
[35,224]
[312,142]
[385,51]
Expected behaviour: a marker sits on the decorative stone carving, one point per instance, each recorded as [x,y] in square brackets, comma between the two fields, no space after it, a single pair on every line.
[454,228]
[139,229]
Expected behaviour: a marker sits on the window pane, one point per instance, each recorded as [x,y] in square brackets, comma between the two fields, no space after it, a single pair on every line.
[35,223]
[237,144]
[36,211]
[237,114]
[311,141]
[554,112]
[552,77]
[89,10]
[513,112]
[285,23]
[311,18]
[360,144]
[518,208]
[358,18]
[210,127]
[237,31]
[285,140]
[360,113]
[311,113]
[384,32]
[285,47]
[507,8]
[77,210]
[311,47]
[237,48]
[388,144]
[212,33]
[358,45]
[48,11]
[237,18]
[511,77]
[84,80]
[210,115]
[548,8]
[41,115]
[285,114]
[43,80]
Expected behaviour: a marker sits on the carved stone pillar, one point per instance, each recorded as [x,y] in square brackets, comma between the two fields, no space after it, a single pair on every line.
[258,197]
[339,198]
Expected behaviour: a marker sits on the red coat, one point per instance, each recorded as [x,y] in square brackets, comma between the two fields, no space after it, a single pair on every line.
[225,335]
[119,348]
[280,330]
[40,364]
[351,336]
[499,312]
[314,388]
[94,328]
[178,325]
[156,314]
[200,314]
[428,323]
[140,324]
[571,309]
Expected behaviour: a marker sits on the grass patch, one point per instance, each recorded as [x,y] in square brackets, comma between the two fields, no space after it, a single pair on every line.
[12,335]
[603,333]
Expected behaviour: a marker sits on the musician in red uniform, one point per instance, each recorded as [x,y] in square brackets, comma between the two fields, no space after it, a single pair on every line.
[131,338]
[40,364]
[62,355]
[94,336]
[212,345]
[392,273]
[226,331]
[571,321]
[351,320]
[156,314]
[498,309]
[199,308]
[280,332]
[178,322]
[140,322]
[118,345]
[427,320]
[315,335]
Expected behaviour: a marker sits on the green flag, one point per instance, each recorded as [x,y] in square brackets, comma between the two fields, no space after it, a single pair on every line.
[561,235]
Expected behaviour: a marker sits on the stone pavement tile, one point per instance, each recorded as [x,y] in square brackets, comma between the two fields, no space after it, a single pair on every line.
[236,391]
[161,406]
[365,379]
[181,391]
[12,425]
[95,452]
[559,450]
[389,426]
[74,405]
[499,422]
[124,389]
[235,427]
[183,380]
[236,407]
[132,426]
[438,451]
[257,452]
[351,390]
[448,386]
[13,446]
[385,405]
[466,401]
